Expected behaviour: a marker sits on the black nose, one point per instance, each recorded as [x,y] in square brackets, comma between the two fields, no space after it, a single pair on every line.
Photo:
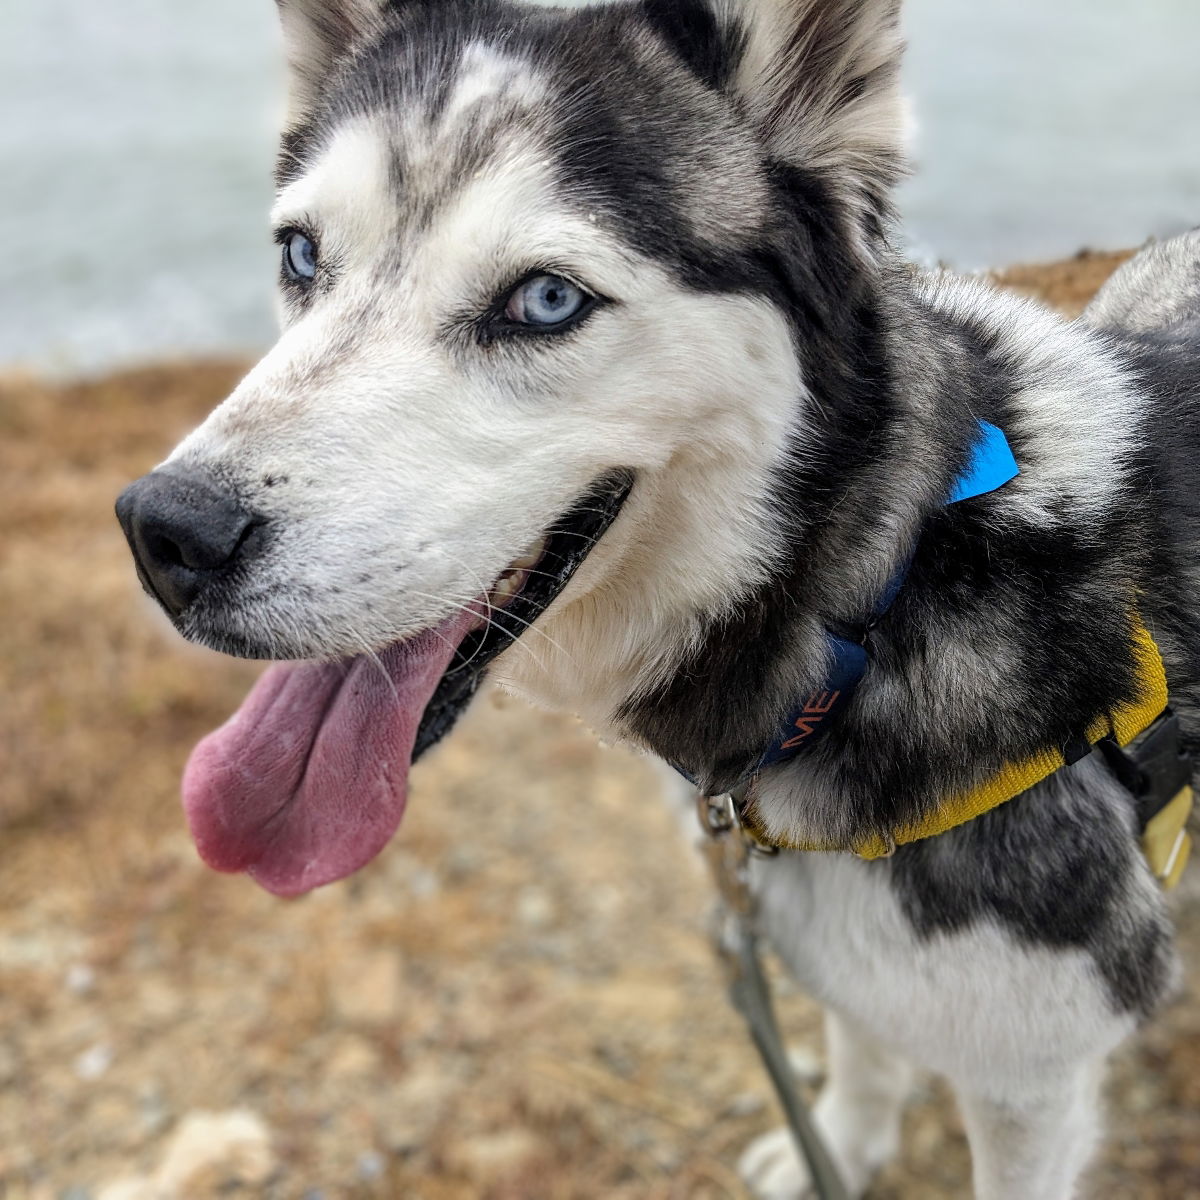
[183,530]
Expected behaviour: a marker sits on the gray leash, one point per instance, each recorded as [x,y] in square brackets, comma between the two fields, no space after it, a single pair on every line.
[728,850]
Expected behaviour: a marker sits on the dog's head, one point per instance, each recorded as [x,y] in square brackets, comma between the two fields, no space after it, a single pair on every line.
[539,352]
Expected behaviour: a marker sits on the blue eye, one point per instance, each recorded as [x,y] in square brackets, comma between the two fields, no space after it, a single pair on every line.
[299,256]
[546,301]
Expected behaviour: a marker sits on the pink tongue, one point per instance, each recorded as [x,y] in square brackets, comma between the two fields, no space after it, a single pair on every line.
[307,781]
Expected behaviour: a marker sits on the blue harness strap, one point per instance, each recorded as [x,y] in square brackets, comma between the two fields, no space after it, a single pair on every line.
[992,465]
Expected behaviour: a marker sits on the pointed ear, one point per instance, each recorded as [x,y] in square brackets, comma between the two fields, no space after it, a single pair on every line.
[821,81]
[316,33]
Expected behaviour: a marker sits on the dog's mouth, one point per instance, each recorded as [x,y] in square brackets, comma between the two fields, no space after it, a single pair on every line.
[308,781]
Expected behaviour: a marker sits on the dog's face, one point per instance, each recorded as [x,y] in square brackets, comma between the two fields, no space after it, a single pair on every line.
[477,327]
[516,254]
[525,263]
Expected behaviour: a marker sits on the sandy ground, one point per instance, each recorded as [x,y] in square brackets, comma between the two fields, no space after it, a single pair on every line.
[516,1000]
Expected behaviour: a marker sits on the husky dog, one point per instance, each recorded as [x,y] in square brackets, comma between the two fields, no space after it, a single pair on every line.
[591,318]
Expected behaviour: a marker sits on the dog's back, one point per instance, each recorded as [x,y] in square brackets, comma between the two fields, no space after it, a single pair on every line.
[1151,305]
[1156,293]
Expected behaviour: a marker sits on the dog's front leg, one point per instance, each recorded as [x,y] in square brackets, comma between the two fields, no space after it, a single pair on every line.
[1033,1146]
[858,1113]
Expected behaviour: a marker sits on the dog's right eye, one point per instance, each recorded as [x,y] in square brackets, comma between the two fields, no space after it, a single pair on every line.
[299,257]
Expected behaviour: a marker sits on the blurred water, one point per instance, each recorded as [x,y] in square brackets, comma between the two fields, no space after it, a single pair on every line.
[136,141]
[1047,125]
[135,148]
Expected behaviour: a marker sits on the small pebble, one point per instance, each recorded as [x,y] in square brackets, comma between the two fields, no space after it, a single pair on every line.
[153,1112]
[94,1063]
[81,979]
[535,909]
[667,1159]
[747,1104]
[370,1165]
[423,884]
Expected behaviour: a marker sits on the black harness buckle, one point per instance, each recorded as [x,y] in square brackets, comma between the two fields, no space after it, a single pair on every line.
[1154,768]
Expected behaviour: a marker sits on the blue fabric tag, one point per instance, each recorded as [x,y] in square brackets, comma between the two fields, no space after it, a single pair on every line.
[992,465]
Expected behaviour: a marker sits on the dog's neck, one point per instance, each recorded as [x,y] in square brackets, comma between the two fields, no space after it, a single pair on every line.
[780,515]
[697,629]
[877,439]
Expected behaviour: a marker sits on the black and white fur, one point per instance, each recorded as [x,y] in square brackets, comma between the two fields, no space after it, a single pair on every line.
[793,401]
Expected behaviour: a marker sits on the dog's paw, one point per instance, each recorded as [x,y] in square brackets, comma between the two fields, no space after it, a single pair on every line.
[772,1169]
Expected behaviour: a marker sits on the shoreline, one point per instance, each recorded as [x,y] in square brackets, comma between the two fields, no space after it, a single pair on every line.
[1065,284]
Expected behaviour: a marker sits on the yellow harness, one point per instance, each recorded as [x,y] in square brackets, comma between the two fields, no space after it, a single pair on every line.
[1166,843]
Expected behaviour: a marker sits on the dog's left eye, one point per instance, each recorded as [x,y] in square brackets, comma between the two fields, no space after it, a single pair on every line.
[546,301]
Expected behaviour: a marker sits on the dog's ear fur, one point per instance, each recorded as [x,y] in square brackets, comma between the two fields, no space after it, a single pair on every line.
[707,44]
[819,79]
[316,33]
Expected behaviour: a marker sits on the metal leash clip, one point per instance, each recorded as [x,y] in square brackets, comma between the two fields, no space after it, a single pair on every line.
[729,847]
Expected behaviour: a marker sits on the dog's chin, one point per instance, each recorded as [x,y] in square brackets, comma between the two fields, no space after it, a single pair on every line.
[308,780]
[214,634]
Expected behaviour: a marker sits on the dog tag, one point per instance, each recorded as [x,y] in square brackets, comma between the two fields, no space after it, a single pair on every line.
[1166,842]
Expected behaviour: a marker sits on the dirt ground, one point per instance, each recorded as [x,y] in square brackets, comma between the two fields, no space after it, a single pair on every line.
[516,1000]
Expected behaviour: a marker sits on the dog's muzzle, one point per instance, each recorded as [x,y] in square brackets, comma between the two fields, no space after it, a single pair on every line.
[185,532]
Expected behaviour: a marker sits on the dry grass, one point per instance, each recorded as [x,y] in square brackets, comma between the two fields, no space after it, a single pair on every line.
[516,1000]
[1069,284]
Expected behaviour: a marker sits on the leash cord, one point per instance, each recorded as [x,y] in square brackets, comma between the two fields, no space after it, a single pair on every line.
[750,994]
[736,943]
